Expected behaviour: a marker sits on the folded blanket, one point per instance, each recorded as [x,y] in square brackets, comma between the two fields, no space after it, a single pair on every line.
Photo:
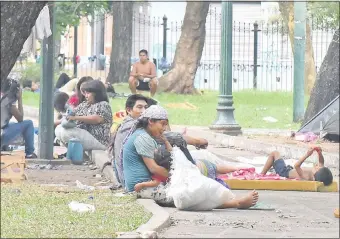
[250,174]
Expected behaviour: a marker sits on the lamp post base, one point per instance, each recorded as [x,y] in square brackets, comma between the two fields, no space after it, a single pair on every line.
[225,122]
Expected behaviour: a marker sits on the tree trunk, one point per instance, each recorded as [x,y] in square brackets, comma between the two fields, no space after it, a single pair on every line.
[180,79]
[326,87]
[120,59]
[287,11]
[17,20]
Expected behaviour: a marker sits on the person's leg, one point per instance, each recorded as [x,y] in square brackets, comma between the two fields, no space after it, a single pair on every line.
[133,83]
[223,168]
[24,128]
[275,155]
[241,203]
[86,139]
[153,83]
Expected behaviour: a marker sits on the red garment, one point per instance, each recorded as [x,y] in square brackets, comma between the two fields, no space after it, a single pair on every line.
[159,178]
[73,100]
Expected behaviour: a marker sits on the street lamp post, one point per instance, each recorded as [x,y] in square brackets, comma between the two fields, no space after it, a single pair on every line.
[300,10]
[46,128]
[225,121]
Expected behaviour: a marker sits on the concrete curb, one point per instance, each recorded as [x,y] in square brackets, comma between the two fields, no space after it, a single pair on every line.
[160,217]
[48,161]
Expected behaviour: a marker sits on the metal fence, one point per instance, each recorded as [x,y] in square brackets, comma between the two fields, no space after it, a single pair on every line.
[265,45]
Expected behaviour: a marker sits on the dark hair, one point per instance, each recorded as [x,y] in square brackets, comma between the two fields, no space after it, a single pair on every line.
[97,87]
[62,80]
[10,88]
[6,85]
[26,83]
[143,51]
[324,175]
[132,99]
[60,100]
[82,80]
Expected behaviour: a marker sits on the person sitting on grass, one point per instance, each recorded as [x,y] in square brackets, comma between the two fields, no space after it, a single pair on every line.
[318,173]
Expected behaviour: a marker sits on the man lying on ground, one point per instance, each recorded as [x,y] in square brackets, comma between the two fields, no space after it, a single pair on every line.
[318,173]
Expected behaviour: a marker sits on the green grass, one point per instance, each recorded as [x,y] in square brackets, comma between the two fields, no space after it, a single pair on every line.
[36,213]
[250,107]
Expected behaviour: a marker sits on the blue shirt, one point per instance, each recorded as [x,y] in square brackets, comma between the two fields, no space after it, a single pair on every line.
[140,144]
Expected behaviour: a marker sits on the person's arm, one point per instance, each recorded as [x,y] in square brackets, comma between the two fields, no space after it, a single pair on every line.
[150,184]
[298,164]
[153,71]
[167,144]
[90,119]
[154,168]
[57,122]
[134,70]
[18,113]
[320,156]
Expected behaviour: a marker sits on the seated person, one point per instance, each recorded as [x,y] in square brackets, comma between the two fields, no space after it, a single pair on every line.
[157,179]
[29,85]
[93,119]
[143,76]
[139,161]
[10,131]
[318,173]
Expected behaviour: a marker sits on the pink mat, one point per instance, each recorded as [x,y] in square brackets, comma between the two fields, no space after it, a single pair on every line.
[250,174]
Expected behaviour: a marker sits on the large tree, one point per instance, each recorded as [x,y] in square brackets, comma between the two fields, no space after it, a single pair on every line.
[120,59]
[287,11]
[323,14]
[17,20]
[180,79]
[326,87]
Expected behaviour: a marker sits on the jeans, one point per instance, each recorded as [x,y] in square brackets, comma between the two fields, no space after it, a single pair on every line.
[14,130]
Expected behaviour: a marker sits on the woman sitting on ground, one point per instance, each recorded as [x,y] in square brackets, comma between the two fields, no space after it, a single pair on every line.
[139,161]
[93,118]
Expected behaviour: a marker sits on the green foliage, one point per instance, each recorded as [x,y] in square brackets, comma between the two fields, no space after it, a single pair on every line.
[70,12]
[324,14]
[32,71]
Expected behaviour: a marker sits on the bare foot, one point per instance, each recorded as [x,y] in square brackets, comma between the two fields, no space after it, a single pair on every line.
[249,200]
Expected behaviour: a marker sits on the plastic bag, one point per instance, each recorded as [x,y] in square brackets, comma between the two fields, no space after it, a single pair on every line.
[191,190]
[81,207]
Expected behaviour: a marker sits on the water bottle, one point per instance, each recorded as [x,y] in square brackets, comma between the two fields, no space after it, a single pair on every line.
[75,151]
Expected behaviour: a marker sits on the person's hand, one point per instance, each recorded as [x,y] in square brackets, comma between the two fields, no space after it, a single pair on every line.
[310,151]
[70,117]
[318,149]
[19,94]
[163,138]
[138,187]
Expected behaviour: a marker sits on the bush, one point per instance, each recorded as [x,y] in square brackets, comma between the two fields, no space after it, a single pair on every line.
[32,71]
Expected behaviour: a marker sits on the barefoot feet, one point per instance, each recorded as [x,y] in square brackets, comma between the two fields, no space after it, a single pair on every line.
[249,200]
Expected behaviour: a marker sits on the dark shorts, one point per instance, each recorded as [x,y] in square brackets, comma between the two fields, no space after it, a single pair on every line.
[281,168]
[143,86]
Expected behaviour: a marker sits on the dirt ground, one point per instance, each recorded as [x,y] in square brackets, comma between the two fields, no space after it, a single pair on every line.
[65,174]
[331,147]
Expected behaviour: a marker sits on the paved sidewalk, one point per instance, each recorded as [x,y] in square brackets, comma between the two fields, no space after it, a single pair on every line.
[296,214]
